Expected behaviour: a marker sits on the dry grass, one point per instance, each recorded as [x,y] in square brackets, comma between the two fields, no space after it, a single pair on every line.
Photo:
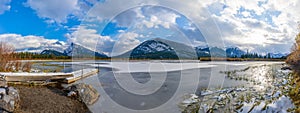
[294,61]
[9,60]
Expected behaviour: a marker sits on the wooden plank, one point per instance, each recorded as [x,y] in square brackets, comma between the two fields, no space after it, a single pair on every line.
[74,79]
[64,77]
[36,78]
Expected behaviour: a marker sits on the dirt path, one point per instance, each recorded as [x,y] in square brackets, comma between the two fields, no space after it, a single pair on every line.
[39,99]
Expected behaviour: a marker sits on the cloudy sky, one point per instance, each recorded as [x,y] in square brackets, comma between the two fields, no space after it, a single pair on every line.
[117,26]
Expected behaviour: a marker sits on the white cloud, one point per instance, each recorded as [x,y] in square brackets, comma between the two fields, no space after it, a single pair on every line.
[263,24]
[4,6]
[164,19]
[57,10]
[234,30]
[126,41]
[38,42]
[259,33]
[89,38]
[246,14]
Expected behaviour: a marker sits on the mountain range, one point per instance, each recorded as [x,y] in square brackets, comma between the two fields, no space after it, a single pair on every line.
[151,49]
[165,49]
[160,49]
[76,51]
[57,46]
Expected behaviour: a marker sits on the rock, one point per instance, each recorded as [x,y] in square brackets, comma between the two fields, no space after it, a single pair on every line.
[3,82]
[85,93]
[190,104]
[72,94]
[9,101]
[9,97]
[193,108]
[286,68]
[221,97]
[192,98]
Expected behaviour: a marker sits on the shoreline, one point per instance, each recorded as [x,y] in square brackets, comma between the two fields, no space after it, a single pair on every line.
[130,59]
[35,99]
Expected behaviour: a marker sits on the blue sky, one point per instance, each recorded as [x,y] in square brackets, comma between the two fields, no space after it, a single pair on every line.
[21,19]
[112,25]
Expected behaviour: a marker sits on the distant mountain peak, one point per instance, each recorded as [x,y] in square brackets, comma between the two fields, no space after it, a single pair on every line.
[158,48]
[57,46]
[154,45]
[77,50]
[234,52]
[52,52]
[58,43]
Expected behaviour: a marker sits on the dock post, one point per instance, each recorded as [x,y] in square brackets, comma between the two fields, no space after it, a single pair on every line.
[81,72]
[64,65]
[98,67]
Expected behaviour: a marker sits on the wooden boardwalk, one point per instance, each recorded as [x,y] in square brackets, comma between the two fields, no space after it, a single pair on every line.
[80,74]
[64,77]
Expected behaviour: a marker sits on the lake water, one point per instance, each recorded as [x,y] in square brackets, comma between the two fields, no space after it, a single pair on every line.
[158,86]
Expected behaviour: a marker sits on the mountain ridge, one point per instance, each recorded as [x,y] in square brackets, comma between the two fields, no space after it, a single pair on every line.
[176,50]
[156,48]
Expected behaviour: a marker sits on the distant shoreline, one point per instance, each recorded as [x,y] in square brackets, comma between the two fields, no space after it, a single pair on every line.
[116,59]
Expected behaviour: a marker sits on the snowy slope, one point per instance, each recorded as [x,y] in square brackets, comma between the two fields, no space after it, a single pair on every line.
[160,49]
[277,55]
[57,46]
[234,52]
[152,46]
[79,51]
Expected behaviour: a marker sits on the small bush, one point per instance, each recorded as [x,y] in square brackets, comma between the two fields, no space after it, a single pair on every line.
[9,60]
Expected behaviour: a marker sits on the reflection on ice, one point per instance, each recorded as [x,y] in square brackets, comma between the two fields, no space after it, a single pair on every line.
[248,86]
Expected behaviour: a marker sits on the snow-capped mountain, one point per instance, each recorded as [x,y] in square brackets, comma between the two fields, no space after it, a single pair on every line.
[52,52]
[277,55]
[78,51]
[59,46]
[161,49]
[234,52]
[219,52]
[210,51]
[152,46]
[202,51]
[151,49]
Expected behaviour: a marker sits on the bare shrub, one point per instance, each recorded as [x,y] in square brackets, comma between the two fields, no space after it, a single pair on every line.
[9,61]
[294,58]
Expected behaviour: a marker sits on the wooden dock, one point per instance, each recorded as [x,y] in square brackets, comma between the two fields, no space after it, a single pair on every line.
[64,77]
[80,74]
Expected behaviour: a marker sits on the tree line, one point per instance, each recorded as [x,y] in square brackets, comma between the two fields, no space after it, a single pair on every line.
[33,56]
[11,61]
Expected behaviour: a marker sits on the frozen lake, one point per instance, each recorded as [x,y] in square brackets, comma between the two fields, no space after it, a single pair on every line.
[157,86]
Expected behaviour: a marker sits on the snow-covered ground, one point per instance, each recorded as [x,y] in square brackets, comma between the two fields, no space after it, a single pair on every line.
[266,91]
[219,96]
[32,74]
[75,74]
[81,73]
[166,66]
[125,67]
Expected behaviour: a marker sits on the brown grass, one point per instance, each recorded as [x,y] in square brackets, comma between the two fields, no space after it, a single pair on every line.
[294,61]
[9,60]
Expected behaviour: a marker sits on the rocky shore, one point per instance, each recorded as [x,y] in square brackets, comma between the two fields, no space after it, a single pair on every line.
[268,89]
[42,99]
[46,99]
